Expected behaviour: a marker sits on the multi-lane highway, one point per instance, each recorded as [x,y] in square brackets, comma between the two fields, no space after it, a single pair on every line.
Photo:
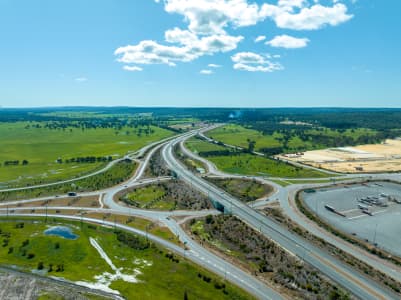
[352,280]
[355,282]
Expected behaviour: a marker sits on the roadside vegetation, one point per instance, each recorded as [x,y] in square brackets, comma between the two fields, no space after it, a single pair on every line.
[241,162]
[157,166]
[244,189]
[158,272]
[244,246]
[48,151]
[166,195]
[118,173]
[276,214]
[193,165]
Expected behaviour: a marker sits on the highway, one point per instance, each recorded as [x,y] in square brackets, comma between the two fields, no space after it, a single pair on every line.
[196,252]
[286,197]
[357,283]
[352,280]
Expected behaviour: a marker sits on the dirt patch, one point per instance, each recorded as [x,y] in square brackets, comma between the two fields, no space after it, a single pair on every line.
[20,286]
[385,157]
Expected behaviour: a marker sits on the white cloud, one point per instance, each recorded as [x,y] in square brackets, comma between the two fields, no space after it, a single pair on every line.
[260,38]
[206,72]
[253,62]
[180,36]
[309,18]
[214,66]
[81,79]
[212,16]
[288,42]
[132,68]
[207,17]
[208,23]
[151,52]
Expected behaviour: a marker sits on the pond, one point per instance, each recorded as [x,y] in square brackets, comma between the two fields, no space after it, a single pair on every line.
[61,231]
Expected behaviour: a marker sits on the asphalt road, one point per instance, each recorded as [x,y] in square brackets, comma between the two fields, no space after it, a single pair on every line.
[286,197]
[352,280]
[349,278]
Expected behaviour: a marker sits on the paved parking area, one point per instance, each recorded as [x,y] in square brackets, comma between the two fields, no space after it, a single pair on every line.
[378,224]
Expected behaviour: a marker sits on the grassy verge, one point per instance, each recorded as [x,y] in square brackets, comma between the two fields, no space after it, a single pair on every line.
[160,274]
[116,174]
[283,183]
[244,189]
[192,164]
[236,162]
[166,195]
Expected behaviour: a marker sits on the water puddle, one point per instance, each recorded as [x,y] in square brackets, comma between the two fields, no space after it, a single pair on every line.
[61,231]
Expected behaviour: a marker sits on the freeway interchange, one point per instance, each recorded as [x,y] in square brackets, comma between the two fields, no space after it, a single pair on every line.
[357,283]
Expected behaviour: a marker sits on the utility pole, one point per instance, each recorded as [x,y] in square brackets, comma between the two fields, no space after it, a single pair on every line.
[374,237]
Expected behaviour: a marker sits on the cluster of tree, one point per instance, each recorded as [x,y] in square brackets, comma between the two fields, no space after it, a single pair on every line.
[218,153]
[334,118]
[15,162]
[86,159]
[375,118]
[132,241]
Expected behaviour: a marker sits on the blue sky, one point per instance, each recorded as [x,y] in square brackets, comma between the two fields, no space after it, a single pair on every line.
[200,53]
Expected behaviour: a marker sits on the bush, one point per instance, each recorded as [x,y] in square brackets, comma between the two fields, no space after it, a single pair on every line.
[40,265]
[132,241]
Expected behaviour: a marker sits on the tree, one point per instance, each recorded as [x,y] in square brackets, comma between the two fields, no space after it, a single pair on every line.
[24,162]
[251,145]
[185,295]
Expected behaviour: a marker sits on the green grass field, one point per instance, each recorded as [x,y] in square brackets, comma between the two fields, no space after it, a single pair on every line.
[118,173]
[248,164]
[238,135]
[41,147]
[245,190]
[160,275]
[150,197]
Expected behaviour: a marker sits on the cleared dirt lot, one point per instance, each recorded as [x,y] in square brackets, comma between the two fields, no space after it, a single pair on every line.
[385,157]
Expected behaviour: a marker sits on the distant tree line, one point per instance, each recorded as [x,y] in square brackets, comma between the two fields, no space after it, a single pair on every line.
[15,163]
[86,159]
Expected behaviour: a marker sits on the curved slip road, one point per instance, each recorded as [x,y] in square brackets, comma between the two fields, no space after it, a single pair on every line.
[349,278]
[286,197]
[197,254]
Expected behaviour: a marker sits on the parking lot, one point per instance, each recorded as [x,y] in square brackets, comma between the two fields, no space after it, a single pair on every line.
[369,211]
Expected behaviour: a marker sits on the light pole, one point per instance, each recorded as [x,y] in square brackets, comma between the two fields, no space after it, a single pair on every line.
[374,236]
